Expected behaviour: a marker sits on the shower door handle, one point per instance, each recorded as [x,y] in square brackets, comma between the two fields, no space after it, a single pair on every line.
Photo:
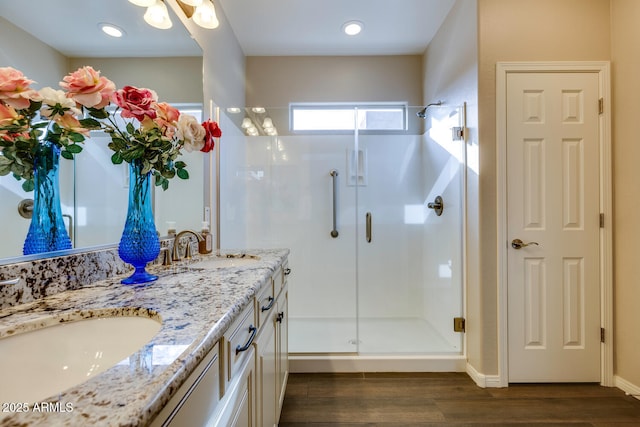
[368,227]
[334,176]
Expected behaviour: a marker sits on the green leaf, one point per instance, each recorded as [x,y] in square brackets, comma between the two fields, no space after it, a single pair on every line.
[90,123]
[98,113]
[180,164]
[67,155]
[76,137]
[116,159]
[74,148]
[28,185]
[182,173]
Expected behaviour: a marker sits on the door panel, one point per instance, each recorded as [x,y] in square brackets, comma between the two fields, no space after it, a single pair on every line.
[553,205]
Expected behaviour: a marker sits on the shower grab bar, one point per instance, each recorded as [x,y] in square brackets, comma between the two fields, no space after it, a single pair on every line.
[368,217]
[334,176]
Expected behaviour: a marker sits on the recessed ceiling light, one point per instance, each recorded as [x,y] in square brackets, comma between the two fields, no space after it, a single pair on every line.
[111,30]
[233,110]
[352,28]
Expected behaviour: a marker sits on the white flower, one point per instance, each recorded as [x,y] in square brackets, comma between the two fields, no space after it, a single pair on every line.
[191,132]
[52,97]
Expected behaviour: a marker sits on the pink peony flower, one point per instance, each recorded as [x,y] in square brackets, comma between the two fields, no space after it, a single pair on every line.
[167,118]
[212,130]
[15,90]
[88,88]
[136,102]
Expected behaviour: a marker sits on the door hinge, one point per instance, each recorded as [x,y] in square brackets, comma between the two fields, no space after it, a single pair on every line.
[602,335]
[601,220]
[458,324]
[600,105]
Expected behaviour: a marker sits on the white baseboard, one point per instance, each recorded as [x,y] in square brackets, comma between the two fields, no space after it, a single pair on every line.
[626,386]
[334,363]
[482,380]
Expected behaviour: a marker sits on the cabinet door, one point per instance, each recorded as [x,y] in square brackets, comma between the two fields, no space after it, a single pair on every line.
[282,347]
[195,402]
[239,405]
[266,372]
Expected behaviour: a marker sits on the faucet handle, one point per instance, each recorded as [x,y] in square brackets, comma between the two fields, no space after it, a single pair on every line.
[166,256]
[187,250]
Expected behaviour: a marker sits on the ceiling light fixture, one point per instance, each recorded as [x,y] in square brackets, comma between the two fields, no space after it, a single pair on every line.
[111,30]
[352,28]
[203,13]
[157,16]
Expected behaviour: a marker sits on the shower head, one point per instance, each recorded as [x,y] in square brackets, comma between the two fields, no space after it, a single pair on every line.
[423,113]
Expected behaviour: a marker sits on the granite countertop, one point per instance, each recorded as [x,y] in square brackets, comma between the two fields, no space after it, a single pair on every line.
[196,307]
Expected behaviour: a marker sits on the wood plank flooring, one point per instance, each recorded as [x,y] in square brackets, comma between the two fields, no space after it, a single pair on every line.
[448,399]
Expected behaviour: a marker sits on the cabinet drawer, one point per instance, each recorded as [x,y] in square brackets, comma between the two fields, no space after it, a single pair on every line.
[266,302]
[238,340]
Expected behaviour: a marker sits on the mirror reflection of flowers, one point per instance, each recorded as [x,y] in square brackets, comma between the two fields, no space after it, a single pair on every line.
[160,135]
[29,118]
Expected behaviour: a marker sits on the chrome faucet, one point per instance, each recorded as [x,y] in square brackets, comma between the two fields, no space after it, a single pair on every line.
[175,255]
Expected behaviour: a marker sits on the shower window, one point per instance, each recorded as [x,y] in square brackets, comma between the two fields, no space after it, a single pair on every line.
[344,117]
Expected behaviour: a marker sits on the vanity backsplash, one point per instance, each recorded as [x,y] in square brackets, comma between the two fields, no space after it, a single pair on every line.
[31,280]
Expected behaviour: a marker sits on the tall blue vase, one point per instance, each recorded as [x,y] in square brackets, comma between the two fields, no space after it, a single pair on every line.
[139,243]
[47,231]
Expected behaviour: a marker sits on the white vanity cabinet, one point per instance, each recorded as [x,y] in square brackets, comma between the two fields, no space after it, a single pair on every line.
[242,381]
[282,339]
[272,357]
[196,401]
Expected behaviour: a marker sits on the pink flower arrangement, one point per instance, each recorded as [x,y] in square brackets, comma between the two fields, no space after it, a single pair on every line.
[29,117]
[156,142]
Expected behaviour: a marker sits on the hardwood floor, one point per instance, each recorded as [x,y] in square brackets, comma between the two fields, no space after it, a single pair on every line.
[448,399]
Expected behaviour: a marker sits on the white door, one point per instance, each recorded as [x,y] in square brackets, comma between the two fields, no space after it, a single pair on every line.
[553,206]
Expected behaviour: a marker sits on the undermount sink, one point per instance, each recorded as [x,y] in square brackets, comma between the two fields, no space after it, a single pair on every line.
[44,362]
[226,262]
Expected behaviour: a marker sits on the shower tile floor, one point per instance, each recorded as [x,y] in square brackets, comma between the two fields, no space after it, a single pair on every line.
[377,336]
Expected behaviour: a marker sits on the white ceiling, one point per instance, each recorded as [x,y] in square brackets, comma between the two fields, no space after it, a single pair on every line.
[263,28]
[314,27]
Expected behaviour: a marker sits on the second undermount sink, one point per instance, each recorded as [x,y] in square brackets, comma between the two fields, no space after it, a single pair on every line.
[229,261]
[41,363]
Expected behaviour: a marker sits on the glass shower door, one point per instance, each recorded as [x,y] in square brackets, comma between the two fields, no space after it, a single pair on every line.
[409,259]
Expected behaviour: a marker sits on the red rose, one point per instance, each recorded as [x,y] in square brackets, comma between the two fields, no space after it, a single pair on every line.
[136,102]
[212,131]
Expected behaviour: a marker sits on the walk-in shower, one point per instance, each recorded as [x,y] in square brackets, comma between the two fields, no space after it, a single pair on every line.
[377,276]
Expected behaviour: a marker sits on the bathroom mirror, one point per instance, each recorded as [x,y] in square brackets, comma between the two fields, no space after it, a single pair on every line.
[46,40]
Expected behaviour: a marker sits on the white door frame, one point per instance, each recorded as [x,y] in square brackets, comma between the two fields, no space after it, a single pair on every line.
[606,241]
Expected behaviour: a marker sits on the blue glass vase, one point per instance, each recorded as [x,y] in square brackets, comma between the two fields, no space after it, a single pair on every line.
[139,243]
[47,231]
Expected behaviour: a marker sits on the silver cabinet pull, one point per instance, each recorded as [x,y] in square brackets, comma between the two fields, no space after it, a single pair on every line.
[368,227]
[519,244]
[334,176]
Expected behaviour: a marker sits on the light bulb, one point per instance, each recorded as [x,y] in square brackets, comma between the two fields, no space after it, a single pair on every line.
[157,16]
[205,15]
[143,3]
[190,2]
[267,123]
[246,123]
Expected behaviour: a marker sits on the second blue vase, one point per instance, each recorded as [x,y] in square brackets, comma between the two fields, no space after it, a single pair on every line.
[139,243]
